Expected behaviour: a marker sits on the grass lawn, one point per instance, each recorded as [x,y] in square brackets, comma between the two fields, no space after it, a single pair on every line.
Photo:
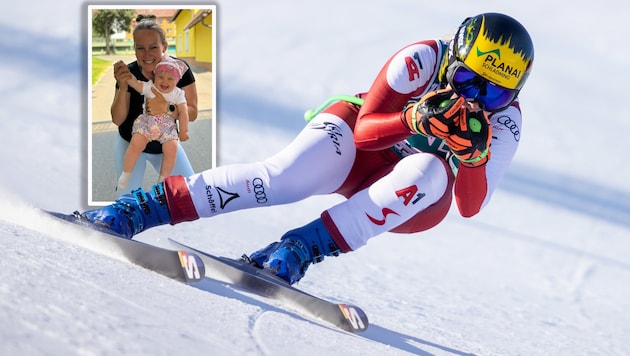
[98,67]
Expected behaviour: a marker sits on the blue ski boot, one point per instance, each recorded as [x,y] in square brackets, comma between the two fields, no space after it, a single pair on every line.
[297,249]
[131,213]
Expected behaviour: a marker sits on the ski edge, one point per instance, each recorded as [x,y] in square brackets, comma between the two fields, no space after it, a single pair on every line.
[182,266]
[345,316]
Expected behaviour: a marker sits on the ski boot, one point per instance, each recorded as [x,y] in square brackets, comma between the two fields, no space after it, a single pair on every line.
[131,213]
[297,249]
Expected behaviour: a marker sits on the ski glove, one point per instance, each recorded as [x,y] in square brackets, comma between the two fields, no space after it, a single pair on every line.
[436,114]
[466,133]
[470,139]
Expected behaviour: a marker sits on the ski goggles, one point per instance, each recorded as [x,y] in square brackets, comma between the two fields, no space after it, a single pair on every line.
[473,87]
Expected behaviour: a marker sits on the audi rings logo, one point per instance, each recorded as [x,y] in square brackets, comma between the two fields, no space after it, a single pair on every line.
[511,125]
[259,191]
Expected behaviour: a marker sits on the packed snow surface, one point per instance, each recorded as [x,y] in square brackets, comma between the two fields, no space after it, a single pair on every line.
[544,270]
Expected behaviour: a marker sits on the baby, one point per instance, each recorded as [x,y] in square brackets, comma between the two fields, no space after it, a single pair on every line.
[162,127]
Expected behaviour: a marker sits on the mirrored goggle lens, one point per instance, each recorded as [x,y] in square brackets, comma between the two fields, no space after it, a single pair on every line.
[471,86]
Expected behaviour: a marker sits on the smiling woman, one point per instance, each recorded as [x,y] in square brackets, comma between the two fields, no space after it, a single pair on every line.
[150,45]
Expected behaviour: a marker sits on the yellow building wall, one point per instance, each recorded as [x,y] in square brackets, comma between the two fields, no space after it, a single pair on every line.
[199,39]
[184,41]
[203,39]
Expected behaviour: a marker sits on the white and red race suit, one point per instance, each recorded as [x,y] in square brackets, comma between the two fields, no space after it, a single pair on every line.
[393,179]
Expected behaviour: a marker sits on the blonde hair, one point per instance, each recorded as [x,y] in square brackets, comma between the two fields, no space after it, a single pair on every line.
[148,22]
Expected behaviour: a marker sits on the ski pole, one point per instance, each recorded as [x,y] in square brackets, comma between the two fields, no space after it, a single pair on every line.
[310,114]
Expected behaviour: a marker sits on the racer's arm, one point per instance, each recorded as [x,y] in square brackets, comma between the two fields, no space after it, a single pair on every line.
[407,74]
[474,185]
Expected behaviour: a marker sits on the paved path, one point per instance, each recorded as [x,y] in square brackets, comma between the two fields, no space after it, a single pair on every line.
[103,133]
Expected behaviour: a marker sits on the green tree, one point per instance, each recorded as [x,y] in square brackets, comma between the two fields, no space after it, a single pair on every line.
[106,22]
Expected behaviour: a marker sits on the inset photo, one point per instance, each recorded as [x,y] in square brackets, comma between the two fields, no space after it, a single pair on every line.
[151,96]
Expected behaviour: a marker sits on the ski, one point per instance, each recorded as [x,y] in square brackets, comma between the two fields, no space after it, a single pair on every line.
[189,265]
[262,282]
[182,266]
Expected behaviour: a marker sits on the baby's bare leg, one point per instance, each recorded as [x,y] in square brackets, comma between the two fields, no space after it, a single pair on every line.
[137,144]
[169,150]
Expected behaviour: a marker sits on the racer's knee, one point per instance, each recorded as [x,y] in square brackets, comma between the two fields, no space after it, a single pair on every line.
[413,186]
[426,170]
[439,176]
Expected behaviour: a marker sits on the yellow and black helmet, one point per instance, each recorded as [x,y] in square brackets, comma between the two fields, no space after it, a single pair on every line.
[496,47]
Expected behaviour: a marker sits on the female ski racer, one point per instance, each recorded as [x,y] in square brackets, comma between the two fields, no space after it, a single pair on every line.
[440,119]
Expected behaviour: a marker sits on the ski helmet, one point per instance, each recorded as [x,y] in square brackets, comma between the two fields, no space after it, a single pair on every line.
[495,47]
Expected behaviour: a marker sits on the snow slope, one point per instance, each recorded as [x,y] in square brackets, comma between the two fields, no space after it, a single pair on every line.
[544,270]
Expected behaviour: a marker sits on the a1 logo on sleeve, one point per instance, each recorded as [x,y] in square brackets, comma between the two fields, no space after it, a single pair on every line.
[412,69]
